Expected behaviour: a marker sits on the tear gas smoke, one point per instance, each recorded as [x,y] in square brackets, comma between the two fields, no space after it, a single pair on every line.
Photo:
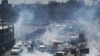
[55,33]
[91,2]
[24,17]
[84,17]
[35,53]
[48,37]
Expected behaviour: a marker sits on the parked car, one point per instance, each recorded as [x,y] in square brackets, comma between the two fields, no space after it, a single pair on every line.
[16,50]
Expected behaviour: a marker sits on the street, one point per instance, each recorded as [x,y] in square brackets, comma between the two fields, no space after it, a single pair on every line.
[25,52]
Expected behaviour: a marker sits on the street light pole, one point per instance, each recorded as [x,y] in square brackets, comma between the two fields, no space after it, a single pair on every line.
[25,24]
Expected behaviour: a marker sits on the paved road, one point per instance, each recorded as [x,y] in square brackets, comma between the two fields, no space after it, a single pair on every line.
[27,53]
[34,53]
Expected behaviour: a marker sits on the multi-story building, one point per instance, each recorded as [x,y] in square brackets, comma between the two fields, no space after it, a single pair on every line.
[6,28]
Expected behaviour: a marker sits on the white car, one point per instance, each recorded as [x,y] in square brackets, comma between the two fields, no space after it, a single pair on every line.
[20,43]
[16,50]
[60,53]
[42,48]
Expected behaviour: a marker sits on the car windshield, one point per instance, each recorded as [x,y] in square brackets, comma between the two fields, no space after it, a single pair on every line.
[15,47]
[59,54]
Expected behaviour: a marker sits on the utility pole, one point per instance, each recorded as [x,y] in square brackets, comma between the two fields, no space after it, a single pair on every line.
[25,23]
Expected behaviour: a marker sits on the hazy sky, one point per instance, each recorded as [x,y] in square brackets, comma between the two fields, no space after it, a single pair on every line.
[31,1]
[42,1]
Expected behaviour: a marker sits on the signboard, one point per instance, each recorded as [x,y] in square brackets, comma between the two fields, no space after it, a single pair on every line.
[84,50]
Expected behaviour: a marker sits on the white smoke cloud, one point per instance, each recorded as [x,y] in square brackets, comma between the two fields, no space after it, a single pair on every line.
[85,17]
[92,30]
[49,37]
[55,33]
[24,17]
[34,53]
[91,2]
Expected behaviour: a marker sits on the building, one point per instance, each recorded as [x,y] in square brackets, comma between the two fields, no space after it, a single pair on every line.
[7,39]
